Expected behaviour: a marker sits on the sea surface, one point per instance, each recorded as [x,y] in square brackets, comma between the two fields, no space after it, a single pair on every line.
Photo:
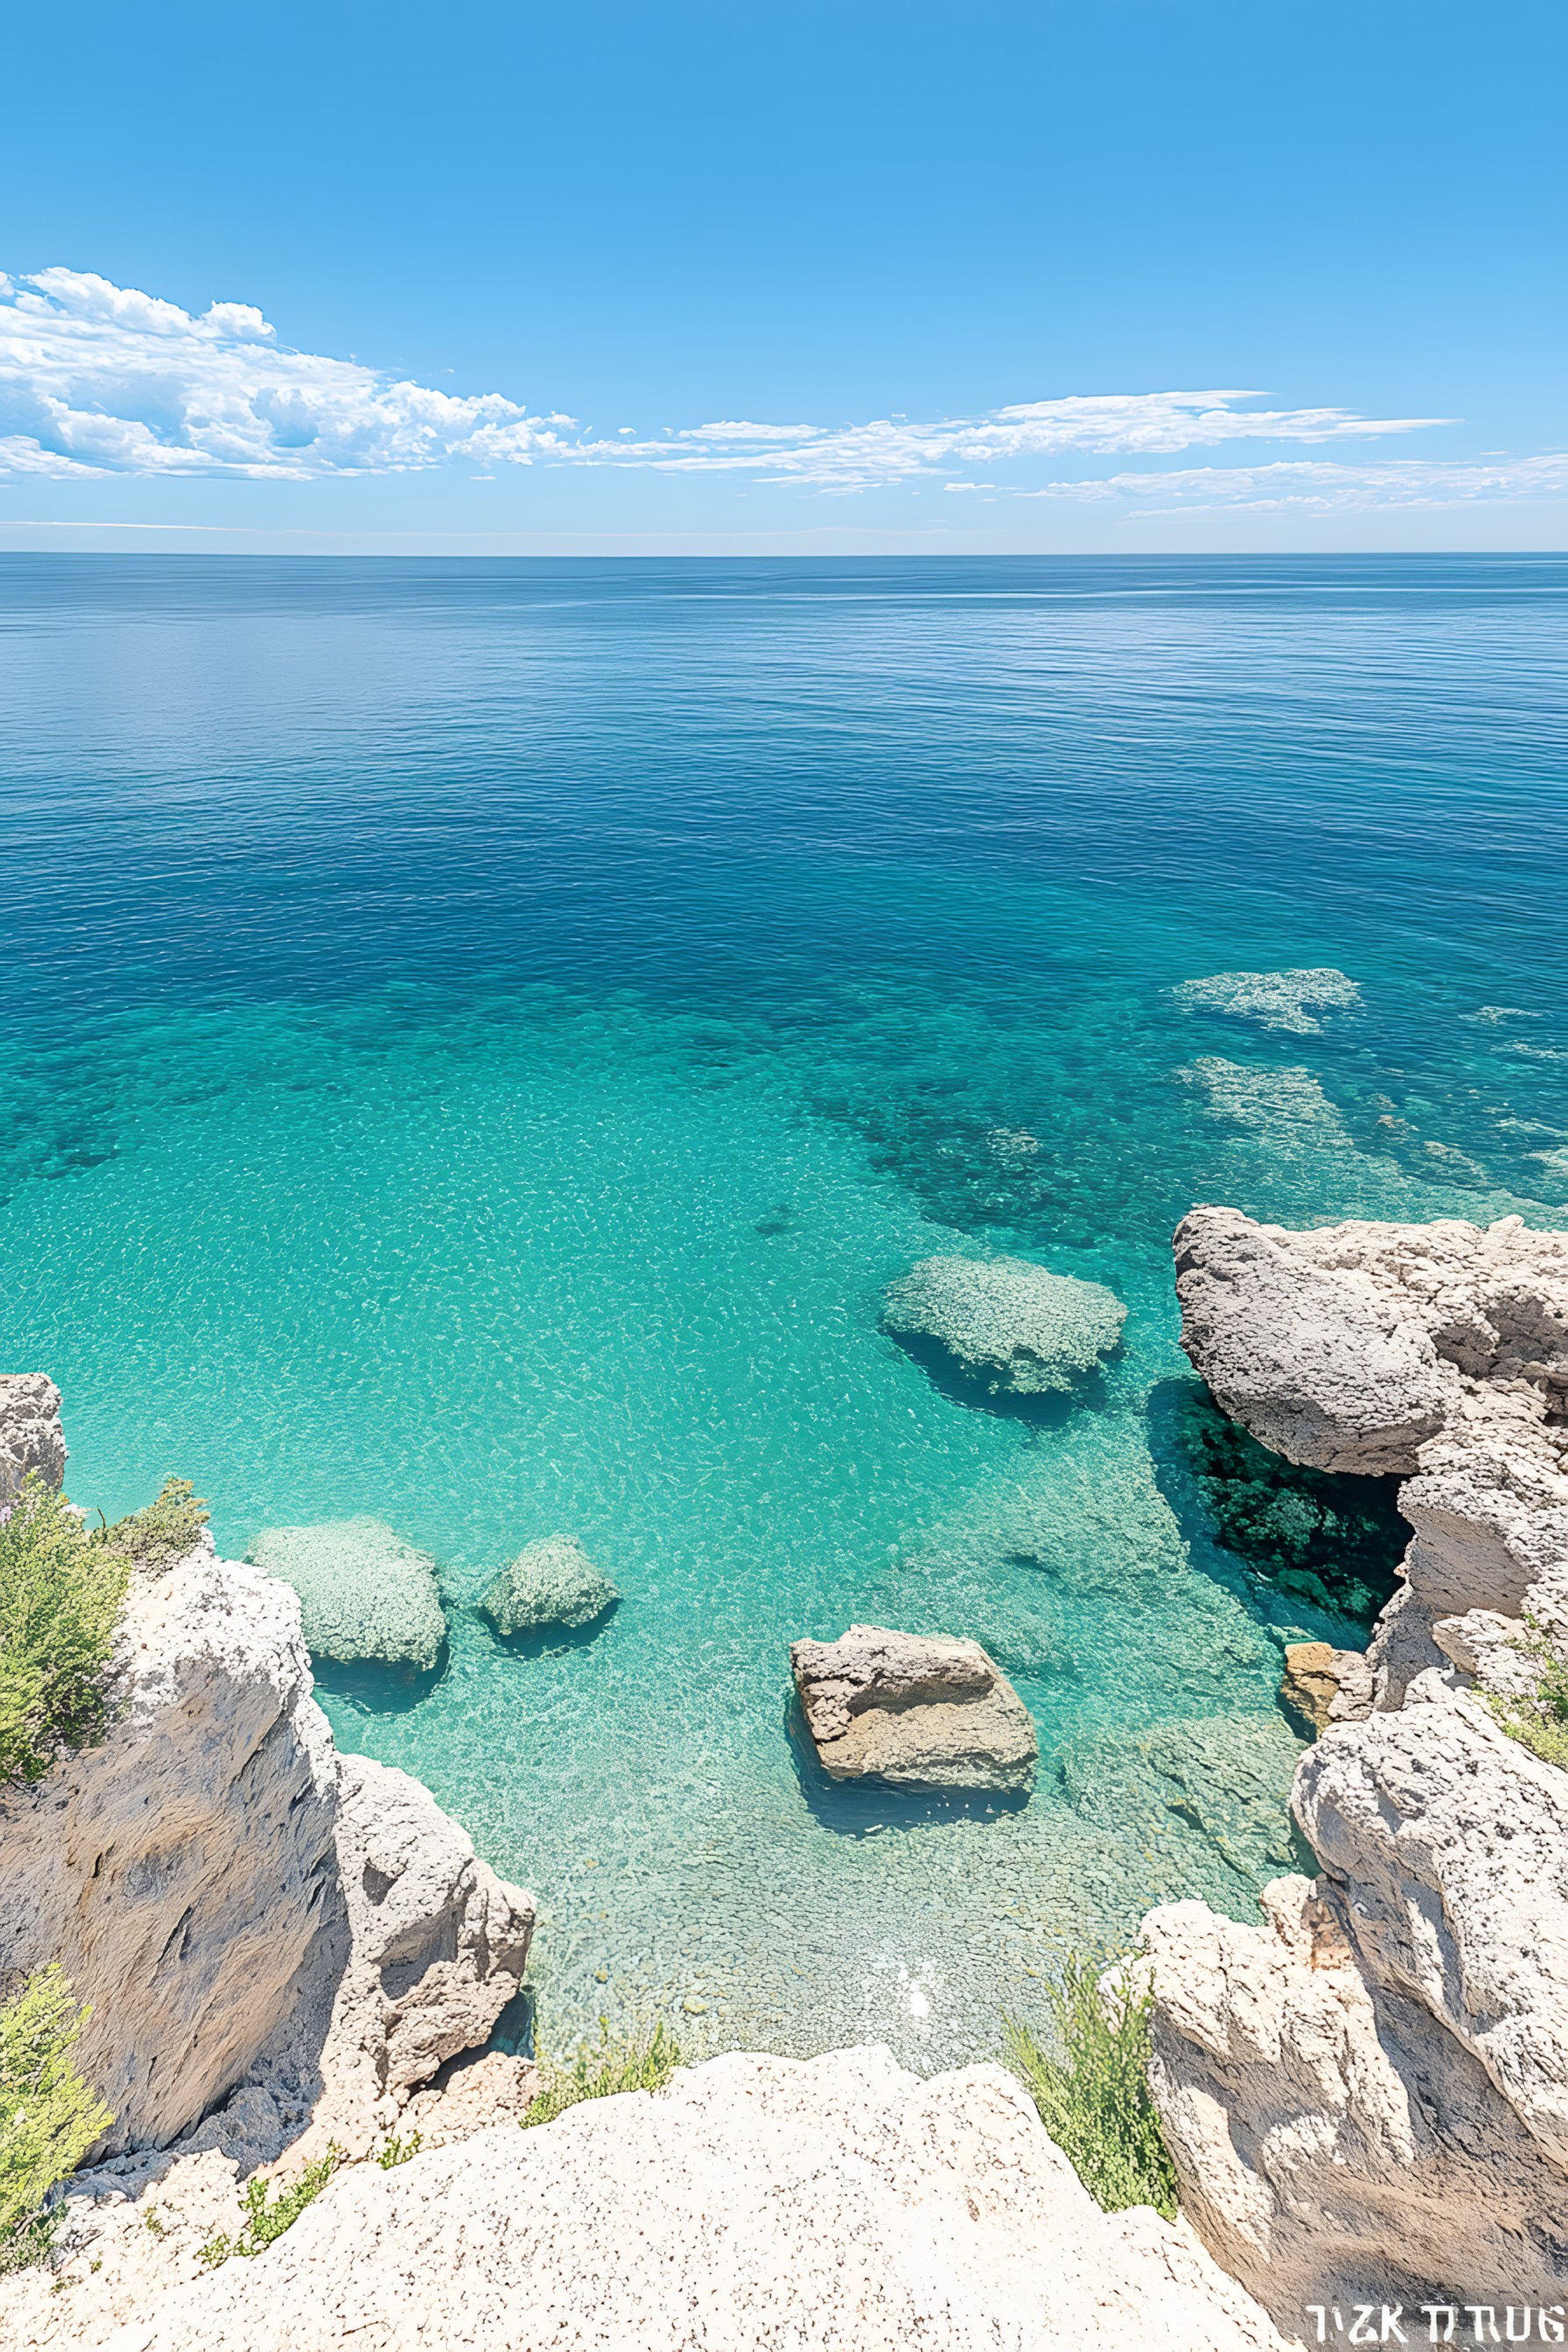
[481,1038]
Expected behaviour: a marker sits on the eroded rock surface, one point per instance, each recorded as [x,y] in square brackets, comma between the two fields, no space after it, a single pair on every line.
[757,2205]
[31,1437]
[1368,2098]
[1008,1320]
[364,1592]
[180,1872]
[266,1932]
[551,1582]
[1333,2142]
[919,1712]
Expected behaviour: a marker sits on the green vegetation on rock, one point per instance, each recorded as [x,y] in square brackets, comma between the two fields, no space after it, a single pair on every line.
[49,2116]
[1538,1721]
[265,2216]
[645,2062]
[167,1529]
[1095,2100]
[60,1591]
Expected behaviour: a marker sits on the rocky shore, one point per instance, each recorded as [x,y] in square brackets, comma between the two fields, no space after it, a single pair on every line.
[1365,2096]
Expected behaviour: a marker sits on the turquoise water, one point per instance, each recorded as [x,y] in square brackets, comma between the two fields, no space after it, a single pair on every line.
[483,1038]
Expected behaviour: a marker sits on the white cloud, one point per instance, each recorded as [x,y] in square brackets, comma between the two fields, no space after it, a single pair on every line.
[101,379]
[96,378]
[1305,485]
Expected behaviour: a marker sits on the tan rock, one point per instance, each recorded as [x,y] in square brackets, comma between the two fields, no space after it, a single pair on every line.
[913,1710]
[1326,1686]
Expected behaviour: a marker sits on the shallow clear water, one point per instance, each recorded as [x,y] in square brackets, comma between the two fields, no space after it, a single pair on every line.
[482,1036]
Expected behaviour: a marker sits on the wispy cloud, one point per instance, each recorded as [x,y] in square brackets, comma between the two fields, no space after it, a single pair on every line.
[892,449]
[1307,485]
[98,379]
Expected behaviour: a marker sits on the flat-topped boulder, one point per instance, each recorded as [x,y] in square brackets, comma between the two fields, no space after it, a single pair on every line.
[551,1582]
[915,1710]
[1009,1320]
[364,1592]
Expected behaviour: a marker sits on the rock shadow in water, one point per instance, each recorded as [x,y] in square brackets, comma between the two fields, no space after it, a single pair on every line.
[547,1641]
[984,1392]
[867,1807]
[376,1688]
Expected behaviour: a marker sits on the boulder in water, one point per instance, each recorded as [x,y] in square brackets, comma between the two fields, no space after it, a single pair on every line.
[919,1712]
[1008,1320]
[363,1591]
[551,1582]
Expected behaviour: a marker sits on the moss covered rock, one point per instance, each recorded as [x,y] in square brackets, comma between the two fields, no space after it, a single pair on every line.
[551,1582]
[363,1591]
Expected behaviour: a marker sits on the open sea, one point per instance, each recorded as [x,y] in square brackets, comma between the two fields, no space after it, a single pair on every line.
[481,1036]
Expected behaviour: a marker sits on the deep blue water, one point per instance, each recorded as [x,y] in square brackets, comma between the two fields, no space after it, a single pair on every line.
[481,1037]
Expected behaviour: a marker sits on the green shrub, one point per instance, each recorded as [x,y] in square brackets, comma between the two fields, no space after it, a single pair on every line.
[61,1592]
[164,1531]
[265,2218]
[1095,2102]
[643,2063]
[399,2151]
[1540,1721]
[49,2116]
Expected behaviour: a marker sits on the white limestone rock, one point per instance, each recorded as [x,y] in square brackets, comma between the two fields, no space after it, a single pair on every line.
[179,1872]
[1349,1347]
[1316,1361]
[757,2205]
[1448,1844]
[438,1948]
[1007,1320]
[915,1711]
[1333,2144]
[31,1437]
[364,1592]
[550,1582]
[266,1931]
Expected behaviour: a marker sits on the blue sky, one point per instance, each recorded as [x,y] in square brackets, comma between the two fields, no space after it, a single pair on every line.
[1135,277]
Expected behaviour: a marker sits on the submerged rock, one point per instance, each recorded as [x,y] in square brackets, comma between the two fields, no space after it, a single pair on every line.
[551,1582]
[1032,1330]
[1221,1778]
[1278,1000]
[363,1591]
[921,1713]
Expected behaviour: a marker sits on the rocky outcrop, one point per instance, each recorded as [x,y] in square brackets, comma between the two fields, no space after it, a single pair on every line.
[551,1582]
[757,2202]
[364,1593]
[31,1437]
[1368,2097]
[914,1711]
[1333,2143]
[1012,1323]
[181,1872]
[266,1931]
